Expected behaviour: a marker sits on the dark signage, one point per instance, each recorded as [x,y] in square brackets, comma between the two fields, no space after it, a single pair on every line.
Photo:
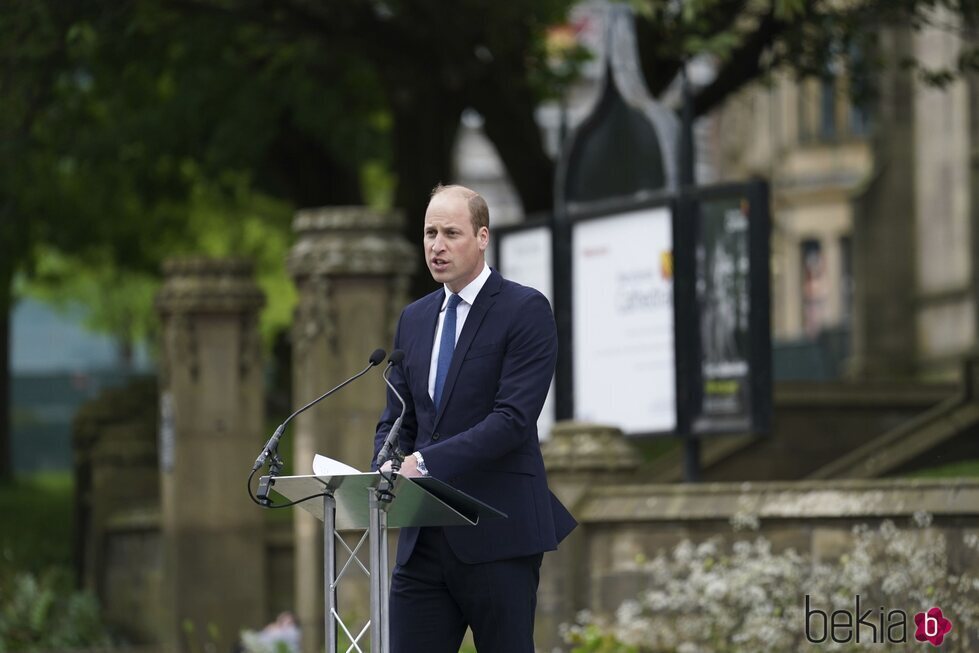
[731,288]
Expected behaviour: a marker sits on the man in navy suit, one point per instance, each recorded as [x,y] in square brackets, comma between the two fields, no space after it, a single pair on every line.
[479,357]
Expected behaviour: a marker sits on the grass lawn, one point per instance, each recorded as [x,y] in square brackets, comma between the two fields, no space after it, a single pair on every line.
[38,524]
[962,468]
[39,606]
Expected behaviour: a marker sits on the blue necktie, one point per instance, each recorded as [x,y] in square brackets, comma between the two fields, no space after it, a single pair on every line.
[447,344]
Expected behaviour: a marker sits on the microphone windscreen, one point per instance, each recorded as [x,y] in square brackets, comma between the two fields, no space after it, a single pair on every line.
[377,357]
[396,357]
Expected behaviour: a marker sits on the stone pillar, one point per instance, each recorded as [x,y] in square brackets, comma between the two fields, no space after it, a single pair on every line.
[578,457]
[973,84]
[352,268]
[944,301]
[211,429]
[884,339]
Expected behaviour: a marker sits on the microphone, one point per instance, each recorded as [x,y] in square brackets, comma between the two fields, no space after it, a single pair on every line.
[272,445]
[391,442]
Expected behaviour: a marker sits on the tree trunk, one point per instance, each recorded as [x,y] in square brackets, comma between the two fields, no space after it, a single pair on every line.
[301,170]
[425,124]
[6,308]
[507,105]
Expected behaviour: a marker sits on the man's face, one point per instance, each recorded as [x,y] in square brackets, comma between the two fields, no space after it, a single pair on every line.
[453,252]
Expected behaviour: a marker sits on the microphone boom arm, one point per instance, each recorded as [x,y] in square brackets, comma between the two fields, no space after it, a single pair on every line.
[271,447]
[390,450]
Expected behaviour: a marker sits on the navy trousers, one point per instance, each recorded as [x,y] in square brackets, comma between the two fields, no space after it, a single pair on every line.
[435,596]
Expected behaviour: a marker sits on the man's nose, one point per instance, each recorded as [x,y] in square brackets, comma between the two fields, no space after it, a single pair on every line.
[438,244]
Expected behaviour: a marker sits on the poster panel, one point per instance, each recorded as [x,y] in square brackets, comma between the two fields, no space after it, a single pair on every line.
[622,316]
[723,268]
[525,257]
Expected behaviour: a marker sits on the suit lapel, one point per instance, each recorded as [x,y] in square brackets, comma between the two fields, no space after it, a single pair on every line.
[484,300]
[430,317]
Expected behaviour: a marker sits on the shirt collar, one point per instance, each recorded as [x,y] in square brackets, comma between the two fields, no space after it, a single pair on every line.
[468,294]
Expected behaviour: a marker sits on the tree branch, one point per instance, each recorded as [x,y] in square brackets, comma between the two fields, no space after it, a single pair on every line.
[661,43]
[743,67]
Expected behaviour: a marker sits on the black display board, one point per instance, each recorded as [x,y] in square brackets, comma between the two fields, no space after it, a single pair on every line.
[722,340]
[731,351]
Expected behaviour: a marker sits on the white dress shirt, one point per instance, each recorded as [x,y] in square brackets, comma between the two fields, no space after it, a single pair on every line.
[468,296]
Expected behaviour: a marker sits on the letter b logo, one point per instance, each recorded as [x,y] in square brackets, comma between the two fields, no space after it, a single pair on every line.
[932,626]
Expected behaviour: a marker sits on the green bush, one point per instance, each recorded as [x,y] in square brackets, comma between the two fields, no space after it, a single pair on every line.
[45,613]
[748,597]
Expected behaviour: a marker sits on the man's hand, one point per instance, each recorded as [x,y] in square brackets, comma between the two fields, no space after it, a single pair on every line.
[409,468]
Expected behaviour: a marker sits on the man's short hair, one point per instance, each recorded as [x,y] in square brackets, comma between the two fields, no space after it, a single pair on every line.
[478,210]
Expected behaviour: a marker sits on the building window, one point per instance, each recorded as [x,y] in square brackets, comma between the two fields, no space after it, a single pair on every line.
[846,281]
[826,112]
[827,109]
[814,283]
[859,121]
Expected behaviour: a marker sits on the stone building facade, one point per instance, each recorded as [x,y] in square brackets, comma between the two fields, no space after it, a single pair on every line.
[873,209]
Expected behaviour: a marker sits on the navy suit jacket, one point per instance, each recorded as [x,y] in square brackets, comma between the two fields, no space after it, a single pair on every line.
[484,439]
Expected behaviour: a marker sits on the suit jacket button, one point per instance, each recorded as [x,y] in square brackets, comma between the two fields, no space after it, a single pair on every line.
[436,436]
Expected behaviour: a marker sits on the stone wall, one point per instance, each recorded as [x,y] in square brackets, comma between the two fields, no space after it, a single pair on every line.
[624,520]
[625,525]
[116,495]
[130,575]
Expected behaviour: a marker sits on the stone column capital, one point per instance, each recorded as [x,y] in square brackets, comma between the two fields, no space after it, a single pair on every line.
[581,447]
[204,285]
[354,240]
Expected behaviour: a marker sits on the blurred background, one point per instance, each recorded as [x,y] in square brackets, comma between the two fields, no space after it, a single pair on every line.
[133,132]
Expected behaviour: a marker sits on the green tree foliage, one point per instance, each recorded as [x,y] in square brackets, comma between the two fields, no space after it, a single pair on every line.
[749,39]
[35,54]
[227,219]
[134,129]
[231,219]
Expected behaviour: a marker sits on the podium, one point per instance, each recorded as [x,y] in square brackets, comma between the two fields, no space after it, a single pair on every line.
[368,503]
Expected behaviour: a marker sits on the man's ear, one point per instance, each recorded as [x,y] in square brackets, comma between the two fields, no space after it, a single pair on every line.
[483,236]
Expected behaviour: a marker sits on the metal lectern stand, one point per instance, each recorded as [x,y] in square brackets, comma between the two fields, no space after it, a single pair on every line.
[352,502]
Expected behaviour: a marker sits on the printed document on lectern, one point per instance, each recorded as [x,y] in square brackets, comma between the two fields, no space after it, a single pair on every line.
[324,466]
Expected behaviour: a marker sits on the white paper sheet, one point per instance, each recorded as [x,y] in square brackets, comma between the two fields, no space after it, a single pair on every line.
[324,466]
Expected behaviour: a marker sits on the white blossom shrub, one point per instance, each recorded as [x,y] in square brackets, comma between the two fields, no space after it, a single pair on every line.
[749,598]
